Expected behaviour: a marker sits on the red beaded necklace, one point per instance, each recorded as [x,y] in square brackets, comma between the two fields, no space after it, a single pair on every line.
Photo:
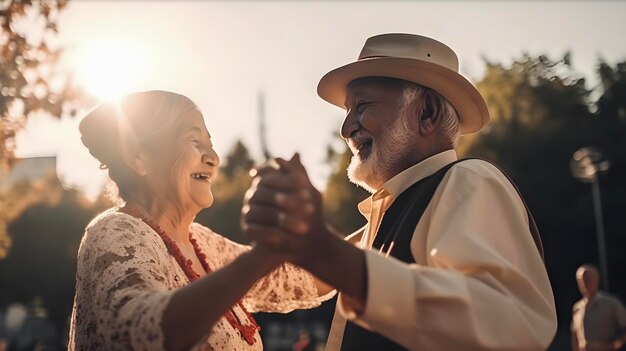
[247,332]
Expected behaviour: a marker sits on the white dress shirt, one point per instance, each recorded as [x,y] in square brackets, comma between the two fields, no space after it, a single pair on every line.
[479,282]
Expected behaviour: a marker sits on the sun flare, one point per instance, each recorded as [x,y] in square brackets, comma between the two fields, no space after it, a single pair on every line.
[109,69]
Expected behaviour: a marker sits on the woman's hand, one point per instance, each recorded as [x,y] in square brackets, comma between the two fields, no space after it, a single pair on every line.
[280,206]
[283,213]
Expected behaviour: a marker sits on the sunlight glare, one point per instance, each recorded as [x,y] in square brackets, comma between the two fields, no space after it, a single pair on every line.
[110,69]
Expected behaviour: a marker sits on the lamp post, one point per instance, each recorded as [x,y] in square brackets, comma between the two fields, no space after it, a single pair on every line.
[585,165]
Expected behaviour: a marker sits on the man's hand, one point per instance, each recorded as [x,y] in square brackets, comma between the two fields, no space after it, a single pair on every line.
[283,212]
[282,209]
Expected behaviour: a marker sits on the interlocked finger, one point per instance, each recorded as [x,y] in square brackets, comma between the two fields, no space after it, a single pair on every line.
[271,216]
[267,235]
[280,222]
[274,239]
[262,196]
[279,181]
[260,214]
[296,202]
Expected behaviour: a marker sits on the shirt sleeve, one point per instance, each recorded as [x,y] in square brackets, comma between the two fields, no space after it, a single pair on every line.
[121,274]
[285,289]
[481,283]
[620,315]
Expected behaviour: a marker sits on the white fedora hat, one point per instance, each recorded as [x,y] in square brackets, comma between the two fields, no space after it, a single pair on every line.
[416,59]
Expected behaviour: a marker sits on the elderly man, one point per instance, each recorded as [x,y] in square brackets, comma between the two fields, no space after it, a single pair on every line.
[598,319]
[450,258]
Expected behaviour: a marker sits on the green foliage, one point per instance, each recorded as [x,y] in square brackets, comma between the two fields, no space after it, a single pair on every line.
[28,81]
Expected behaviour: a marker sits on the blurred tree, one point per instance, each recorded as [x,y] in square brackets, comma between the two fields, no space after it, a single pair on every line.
[237,161]
[20,197]
[228,190]
[42,262]
[28,80]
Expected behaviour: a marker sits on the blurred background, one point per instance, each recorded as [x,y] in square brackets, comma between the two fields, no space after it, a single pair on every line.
[553,74]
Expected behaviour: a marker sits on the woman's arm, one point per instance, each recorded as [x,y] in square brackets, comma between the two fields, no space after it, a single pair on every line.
[283,289]
[125,280]
[194,309]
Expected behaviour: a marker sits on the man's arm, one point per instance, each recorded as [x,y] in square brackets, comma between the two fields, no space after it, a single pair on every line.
[480,283]
[621,322]
[324,288]
[484,287]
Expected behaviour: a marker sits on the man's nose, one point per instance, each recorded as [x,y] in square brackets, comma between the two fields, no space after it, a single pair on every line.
[350,124]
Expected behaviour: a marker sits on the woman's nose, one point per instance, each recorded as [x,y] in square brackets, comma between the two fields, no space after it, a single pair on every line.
[211,158]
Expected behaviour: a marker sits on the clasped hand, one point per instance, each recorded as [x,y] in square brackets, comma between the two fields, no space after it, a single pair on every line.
[283,211]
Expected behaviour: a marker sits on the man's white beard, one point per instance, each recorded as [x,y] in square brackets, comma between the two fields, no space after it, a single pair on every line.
[385,158]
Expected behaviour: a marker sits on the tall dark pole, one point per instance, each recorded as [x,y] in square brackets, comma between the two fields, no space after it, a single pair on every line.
[586,164]
[597,209]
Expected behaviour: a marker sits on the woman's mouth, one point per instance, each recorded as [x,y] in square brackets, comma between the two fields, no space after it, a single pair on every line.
[203,177]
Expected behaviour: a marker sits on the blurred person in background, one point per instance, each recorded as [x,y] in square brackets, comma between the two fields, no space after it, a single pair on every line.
[148,277]
[598,319]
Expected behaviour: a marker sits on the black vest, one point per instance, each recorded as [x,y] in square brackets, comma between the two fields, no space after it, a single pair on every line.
[397,227]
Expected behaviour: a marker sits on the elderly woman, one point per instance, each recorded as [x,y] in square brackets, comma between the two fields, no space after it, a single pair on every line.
[150,278]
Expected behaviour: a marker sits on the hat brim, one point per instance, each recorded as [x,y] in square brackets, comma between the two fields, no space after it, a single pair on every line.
[467,101]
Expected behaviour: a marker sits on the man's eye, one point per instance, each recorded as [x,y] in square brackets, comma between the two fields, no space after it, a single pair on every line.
[360,107]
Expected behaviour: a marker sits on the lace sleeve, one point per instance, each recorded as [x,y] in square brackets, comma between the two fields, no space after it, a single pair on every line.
[285,289]
[122,286]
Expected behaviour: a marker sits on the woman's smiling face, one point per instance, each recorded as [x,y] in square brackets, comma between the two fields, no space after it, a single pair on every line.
[182,163]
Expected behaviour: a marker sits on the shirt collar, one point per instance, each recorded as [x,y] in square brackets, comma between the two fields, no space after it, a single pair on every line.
[396,185]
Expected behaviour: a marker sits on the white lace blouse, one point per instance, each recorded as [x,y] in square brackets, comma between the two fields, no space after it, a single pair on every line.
[126,278]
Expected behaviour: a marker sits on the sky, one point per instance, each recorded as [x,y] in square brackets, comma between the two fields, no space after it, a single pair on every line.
[223,54]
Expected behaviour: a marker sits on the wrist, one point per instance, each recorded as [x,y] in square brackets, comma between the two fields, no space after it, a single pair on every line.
[264,259]
[318,248]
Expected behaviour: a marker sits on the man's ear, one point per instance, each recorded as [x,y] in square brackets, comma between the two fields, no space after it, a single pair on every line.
[429,113]
[135,159]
